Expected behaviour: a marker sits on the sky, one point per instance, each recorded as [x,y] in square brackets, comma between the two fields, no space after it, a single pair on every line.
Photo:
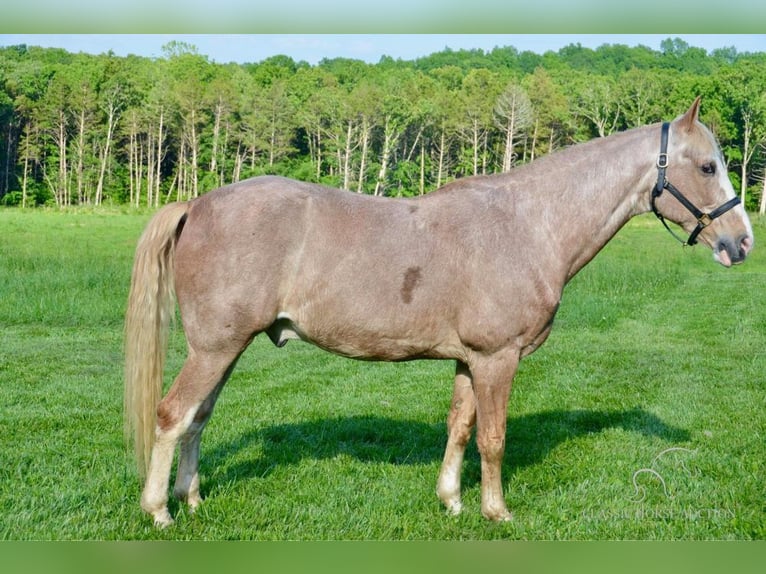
[243,48]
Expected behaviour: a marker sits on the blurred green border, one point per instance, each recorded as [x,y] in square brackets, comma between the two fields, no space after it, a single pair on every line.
[401,16]
[380,557]
[358,17]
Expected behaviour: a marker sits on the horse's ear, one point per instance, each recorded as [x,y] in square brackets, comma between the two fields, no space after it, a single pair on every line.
[688,120]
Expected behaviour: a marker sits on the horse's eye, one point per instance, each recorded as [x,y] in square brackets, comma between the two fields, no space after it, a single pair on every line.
[708,168]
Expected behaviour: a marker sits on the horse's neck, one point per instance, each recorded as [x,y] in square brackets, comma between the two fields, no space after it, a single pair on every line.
[596,191]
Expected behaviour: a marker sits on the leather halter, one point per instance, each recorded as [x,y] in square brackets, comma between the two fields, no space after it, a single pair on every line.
[703,219]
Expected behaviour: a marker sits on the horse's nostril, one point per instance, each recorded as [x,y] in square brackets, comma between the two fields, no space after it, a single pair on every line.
[745,245]
[736,251]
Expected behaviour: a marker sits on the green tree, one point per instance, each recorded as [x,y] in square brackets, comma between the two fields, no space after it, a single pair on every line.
[479,91]
[597,102]
[85,129]
[514,115]
[314,89]
[396,112]
[190,73]
[444,115]
[366,99]
[26,83]
[640,93]
[550,109]
[743,89]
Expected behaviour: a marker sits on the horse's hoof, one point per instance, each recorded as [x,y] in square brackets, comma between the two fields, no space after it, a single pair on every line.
[450,500]
[503,515]
[162,519]
[454,508]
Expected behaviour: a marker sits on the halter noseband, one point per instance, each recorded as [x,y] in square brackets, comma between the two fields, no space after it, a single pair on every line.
[703,219]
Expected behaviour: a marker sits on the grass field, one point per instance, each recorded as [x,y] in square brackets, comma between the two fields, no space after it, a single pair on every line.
[642,417]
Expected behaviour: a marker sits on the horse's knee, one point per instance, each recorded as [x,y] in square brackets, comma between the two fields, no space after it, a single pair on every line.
[490,447]
[459,428]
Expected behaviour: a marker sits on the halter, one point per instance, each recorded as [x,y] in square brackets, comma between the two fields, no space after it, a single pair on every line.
[703,219]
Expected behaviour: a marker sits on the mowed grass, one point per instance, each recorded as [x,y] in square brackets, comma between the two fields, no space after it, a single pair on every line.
[642,417]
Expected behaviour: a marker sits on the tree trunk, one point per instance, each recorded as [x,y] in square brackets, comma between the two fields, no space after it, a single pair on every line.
[510,133]
[9,153]
[151,168]
[158,159]
[319,156]
[347,158]
[132,158]
[80,152]
[139,169]
[223,153]
[550,140]
[194,147]
[422,170]
[365,137]
[238,161]
[110,125]
[61,192]
[442,147]
[27,159]
[475,147]
[388,143]
[218,114]
[747,130]
[181,173]
[272,143]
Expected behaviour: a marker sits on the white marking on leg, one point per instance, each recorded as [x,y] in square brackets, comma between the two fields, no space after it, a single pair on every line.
[187,476]
[448,488]
[154,498]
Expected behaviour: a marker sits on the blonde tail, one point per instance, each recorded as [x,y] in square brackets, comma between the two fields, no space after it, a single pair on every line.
[151,304]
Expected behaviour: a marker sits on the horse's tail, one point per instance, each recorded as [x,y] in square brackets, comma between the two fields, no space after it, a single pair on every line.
[151,304]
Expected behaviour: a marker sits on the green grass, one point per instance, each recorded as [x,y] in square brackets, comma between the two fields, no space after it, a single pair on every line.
[655,347]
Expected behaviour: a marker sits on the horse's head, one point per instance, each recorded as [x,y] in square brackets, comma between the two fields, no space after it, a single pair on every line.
[694,191]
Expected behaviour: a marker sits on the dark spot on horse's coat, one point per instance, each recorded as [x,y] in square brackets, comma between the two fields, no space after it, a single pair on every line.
[413,208]
[411,279]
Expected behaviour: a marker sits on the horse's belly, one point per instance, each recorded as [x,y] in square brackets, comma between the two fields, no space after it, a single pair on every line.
[360,341]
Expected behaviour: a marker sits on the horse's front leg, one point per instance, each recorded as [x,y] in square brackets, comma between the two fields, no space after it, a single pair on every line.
[492,377]
[460,423]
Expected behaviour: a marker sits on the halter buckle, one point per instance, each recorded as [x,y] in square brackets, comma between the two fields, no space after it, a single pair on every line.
[704,220]
[662,160]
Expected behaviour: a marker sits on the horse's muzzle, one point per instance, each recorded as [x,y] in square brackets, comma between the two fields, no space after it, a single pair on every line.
[729,252]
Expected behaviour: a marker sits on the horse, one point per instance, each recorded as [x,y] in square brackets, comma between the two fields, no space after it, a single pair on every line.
[472,272]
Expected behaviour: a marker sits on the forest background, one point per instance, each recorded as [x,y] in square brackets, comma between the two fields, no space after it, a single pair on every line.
[79,129]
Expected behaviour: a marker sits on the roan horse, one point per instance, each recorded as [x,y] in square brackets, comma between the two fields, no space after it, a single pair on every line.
[472,272]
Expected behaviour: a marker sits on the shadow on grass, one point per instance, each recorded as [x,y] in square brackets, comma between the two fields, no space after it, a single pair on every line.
[385,440]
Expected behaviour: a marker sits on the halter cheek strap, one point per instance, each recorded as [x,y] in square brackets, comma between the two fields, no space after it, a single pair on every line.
[703,219]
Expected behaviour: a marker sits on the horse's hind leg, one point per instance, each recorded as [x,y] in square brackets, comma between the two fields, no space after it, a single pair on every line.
[187,475]
[182,415]
[460,423]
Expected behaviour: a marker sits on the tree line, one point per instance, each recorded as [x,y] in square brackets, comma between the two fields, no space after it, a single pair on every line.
[78,129]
